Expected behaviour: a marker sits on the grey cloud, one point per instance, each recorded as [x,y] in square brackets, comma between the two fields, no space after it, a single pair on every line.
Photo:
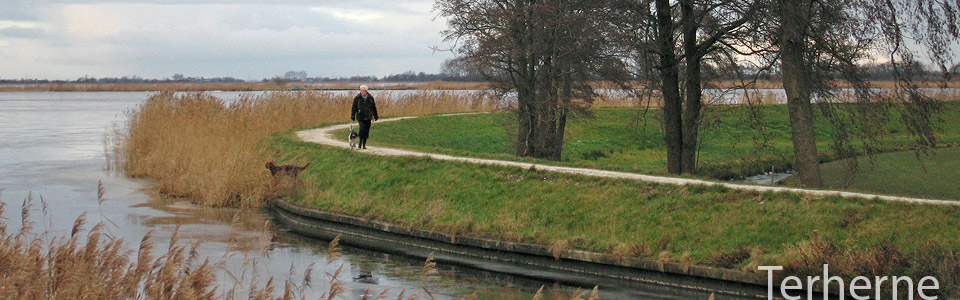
[20,32]
[392,5]
[250,40]
[17,11]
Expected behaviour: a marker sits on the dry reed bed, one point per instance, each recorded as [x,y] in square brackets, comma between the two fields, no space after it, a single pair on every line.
[756,96]
[212,152]
[91,264]
[776,84]
[234,86]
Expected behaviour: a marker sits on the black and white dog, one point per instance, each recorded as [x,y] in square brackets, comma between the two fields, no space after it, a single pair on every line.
[353,138]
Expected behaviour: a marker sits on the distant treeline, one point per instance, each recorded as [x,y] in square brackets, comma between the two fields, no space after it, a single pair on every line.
[124,79]
[409,76]
[450,71]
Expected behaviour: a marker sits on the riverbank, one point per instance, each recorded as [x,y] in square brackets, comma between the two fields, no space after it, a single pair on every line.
[690,225]
[212,151]
[626,278]
[630,139]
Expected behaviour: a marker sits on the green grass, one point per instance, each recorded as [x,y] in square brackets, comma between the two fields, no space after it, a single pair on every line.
[701,225]
[900,173]
[618,217]
[630,140]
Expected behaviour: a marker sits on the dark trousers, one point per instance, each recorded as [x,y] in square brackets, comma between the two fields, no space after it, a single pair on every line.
[364,132]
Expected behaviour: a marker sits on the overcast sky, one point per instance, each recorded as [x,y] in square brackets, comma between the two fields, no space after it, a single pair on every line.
[243,39]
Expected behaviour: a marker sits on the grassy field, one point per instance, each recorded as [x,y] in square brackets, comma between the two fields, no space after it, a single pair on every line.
[629,139]
[692,224]
[935,176]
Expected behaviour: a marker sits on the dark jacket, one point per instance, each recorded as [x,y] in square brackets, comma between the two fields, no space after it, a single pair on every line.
[364,108]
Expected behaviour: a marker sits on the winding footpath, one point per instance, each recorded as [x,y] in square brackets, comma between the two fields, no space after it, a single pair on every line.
[324,136]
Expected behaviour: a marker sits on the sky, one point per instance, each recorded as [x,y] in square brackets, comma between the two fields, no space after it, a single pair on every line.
[250,39]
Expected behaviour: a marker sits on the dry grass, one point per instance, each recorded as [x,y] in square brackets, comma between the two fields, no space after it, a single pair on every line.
[774,84]
[755,96]
[880,84]
[923,84]
[620,98]
[759,84]
[200,147]
[928,259]
[93,265]
[449,85]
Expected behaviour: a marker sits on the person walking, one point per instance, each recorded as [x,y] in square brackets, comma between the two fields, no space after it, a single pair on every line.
[364,111]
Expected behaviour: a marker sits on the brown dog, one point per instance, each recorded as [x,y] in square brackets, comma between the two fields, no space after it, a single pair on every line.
[285,170]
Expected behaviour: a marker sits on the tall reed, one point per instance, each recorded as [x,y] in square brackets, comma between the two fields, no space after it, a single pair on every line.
[212,152]
[93,265]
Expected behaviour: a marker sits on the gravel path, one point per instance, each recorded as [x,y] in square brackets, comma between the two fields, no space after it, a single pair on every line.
[323,136]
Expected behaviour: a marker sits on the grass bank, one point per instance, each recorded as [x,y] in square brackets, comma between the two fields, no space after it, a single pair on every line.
[198,146]
[691,224]
[213,152]
[629,139]
[899,173]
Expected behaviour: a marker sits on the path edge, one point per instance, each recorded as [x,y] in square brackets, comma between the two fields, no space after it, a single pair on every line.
[322,136]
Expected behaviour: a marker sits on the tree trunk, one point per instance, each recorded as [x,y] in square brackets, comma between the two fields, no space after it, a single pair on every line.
[669,87]
[541,123]
[526,82]
[565,96]
[692,105]
[541,117]
[525,121]
[796,84]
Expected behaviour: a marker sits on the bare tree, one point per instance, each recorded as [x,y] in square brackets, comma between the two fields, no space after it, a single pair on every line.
[456,68]
[705,31]
[295,75]
[544,51]
[819,41]
[280,81]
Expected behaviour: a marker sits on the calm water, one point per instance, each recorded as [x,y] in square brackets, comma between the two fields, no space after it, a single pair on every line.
[52,146]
